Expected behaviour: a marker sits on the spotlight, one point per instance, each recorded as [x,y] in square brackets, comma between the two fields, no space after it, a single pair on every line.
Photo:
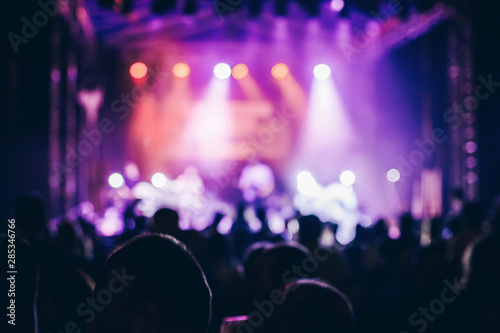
[347,178]
[116,180]
[138,70]
[393,175]
[306,183]
[240,71]
[322,71]
[279,71]
[181,70]
[337,5]
[222,71]
[158,180]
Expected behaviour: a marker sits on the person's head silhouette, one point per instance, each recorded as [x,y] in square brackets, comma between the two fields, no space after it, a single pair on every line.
[311,306]
[155,285]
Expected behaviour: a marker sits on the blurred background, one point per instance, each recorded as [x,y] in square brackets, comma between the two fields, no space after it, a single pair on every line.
[345,123]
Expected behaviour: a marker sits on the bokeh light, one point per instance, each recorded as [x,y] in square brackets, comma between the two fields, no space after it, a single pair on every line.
[158,180]
[347,178]
[306,183]
[322,71]
[293,226]
[393,175]
[116,180]
[138,70]
[131,171]
[240,71]
[222,71]
[279,71]
[224,226]
[471,162]
[471,177]
[276,224]
[181,70]
[394,232]
[111,224]
[470,147]
[337,5]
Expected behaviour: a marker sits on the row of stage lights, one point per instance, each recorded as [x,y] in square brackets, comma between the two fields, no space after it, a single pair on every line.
[304,179]
[255,8]
[116,180]
[223,71]
[306,182]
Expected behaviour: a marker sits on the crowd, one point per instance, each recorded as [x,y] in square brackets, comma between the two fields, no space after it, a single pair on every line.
[156,277]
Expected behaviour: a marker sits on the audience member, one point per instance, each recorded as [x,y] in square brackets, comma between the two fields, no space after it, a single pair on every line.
[156,285]
[311,306]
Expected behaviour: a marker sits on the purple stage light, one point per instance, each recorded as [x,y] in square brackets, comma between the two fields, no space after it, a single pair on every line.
[471,162]
[394,232]
[471,147]
[337,5]
[111,223]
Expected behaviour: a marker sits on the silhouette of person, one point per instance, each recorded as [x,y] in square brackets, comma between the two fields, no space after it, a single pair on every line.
[156,285]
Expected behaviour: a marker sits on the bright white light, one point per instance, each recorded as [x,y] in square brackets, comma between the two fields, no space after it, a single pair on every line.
[327,238]
[322,71]
[393,175]
[337,5]
[158,180]
[293,226]
[222,71]
[306,183]
[150,198]
[116,180]
[347,178]
[276,224]
[224,226]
